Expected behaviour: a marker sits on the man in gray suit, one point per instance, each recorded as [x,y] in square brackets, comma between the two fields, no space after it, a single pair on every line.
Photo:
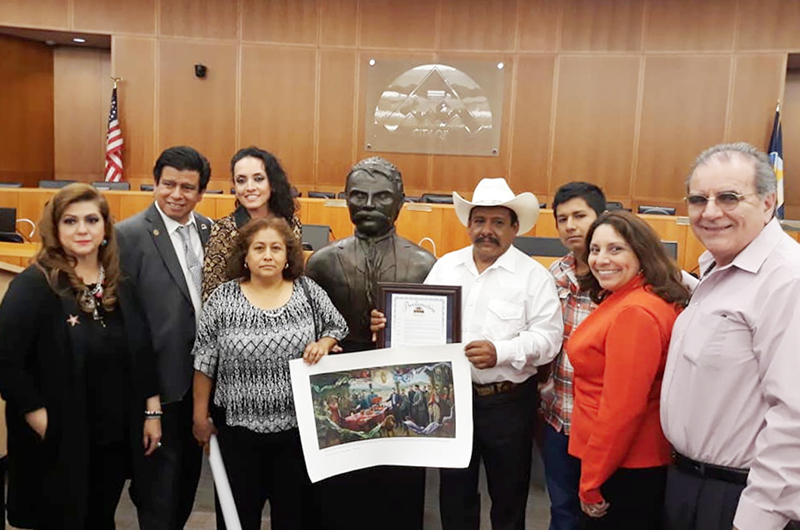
[161,250]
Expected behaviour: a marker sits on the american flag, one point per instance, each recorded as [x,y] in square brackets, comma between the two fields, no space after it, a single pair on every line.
[113,143]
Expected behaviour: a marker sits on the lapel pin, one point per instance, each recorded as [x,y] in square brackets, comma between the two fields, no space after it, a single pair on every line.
[156,232]
[203,226]
[73,320]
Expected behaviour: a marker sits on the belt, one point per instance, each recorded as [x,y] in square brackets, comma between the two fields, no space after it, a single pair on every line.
[491,389]
[726,474]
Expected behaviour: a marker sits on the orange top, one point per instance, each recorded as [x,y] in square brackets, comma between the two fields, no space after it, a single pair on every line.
[618,354]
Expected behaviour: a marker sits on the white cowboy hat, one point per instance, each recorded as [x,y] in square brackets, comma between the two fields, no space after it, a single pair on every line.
[496,192]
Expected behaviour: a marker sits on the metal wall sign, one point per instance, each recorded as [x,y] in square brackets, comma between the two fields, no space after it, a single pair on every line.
[450,109]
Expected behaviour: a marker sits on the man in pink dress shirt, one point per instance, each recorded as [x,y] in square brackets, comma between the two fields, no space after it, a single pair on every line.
[730,401]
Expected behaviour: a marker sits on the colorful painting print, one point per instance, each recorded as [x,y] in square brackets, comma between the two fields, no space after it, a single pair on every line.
[407,400]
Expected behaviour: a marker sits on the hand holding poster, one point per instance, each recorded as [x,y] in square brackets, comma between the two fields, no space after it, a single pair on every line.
[407,406]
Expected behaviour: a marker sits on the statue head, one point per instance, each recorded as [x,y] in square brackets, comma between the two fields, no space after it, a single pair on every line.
[374,196]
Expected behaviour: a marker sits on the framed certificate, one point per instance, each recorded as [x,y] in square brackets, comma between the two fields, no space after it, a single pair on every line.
[419,315]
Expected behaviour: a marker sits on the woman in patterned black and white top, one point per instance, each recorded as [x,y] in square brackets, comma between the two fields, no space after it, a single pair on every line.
[249,331]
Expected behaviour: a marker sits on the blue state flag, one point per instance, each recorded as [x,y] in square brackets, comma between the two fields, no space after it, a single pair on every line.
[776,159]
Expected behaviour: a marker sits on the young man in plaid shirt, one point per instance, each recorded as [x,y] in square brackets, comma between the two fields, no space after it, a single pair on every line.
[576,205]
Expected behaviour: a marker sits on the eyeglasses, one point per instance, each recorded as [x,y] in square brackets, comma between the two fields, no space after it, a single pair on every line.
[727,200]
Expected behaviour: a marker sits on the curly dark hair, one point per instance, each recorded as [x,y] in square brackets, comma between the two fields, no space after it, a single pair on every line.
[53,261]
[294,250]
[281,202]
[661,275]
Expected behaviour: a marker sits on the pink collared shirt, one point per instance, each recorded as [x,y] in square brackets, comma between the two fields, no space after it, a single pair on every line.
[731,390]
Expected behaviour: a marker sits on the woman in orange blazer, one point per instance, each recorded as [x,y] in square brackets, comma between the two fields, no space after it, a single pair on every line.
[618,354]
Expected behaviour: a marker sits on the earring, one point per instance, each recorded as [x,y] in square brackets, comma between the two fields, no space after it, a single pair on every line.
[104,243]
[286,266]
[245,265]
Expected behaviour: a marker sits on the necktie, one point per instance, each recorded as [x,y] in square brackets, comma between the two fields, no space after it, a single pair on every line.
[192,261]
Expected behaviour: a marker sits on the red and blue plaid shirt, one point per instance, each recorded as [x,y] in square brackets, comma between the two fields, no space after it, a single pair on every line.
[556,393]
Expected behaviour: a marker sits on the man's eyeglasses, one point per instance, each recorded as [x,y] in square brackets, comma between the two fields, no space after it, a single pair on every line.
[726,200]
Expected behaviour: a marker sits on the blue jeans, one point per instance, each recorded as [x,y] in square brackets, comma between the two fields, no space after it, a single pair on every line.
[562,473]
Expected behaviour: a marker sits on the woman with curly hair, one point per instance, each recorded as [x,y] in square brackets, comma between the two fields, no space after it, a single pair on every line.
[619,353]
[262,190]
[77,371]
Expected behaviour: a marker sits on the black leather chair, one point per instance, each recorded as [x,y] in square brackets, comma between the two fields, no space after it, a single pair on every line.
[546,247]
[55,184]
[321,195]
[11,237]
[411,199]
[341,195]
[10,184]
[612,205]
[8,220]
[115,186]
[436,198]
[656,210]
[146,187]
[316,236]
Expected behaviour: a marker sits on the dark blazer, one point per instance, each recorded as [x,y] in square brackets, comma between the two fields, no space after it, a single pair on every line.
[149,260]
[42,364]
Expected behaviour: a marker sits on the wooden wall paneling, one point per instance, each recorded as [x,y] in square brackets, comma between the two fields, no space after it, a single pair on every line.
[208,206]
[52,14]
[26,111]
[674,25]
[478,25]
[339,23]
[225,205]
[392,24]
[768,25]
[277,106]
[692,251]
[668,229]
[530,146]
[462,173]
[538,25]
[31,204]
[598,26]
[337,87]
[596,122]
[194,111]
[119,16]
[114,200]
[791,144]
[758,83]
[683,113]
[418,221]
[134,203]
[414,167]
[82,94]
[211,19]
[134,59]
[287,21]
[333,213]
[454,234]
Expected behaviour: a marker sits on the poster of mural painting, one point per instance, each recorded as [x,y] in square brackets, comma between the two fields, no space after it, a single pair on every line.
[409,400]
[401,406]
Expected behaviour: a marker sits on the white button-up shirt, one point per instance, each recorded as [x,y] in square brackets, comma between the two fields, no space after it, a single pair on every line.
[513,304]
[177,243]
[731,390]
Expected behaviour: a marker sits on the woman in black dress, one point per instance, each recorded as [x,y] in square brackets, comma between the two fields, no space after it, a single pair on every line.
[77,372]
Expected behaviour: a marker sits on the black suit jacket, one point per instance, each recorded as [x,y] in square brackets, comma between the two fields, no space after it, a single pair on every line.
[42,364]
[149,260]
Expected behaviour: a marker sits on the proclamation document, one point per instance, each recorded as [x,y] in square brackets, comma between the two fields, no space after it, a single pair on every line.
[402,406]
[418,320]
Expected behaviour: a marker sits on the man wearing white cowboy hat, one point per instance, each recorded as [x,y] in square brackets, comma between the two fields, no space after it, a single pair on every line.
[511,323]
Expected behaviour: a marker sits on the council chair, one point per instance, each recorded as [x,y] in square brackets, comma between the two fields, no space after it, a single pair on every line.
[321,195]
[656,210]
[112,186]
[55,184]
[436,198]
[544,247]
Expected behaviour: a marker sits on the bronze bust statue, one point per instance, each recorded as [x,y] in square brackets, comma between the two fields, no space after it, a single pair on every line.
[350,269]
